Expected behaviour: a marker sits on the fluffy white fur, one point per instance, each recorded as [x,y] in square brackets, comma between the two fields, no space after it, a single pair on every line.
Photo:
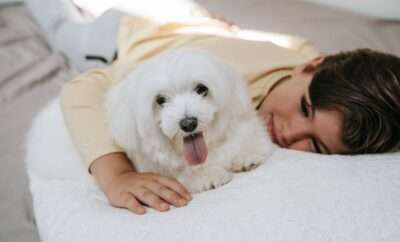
[151,135]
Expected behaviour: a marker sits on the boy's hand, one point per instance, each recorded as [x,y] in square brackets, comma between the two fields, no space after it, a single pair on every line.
[132,190]
[126,188]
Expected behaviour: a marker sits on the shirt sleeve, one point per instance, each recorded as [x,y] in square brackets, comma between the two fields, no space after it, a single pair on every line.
[82,102]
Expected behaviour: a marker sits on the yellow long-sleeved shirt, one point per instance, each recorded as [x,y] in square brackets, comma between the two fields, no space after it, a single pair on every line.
[260,62]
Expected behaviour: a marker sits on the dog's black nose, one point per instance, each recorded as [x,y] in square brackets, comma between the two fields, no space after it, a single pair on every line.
[188,124]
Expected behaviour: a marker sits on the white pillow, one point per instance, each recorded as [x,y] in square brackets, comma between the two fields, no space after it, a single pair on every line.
[294,196]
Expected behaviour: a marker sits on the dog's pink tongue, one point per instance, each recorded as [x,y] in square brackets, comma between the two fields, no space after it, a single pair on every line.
[195,149]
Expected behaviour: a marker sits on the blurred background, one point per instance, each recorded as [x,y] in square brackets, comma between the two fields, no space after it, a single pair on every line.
[32,70]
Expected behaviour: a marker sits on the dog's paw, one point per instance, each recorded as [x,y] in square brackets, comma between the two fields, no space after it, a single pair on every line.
[244,165]
[205,178]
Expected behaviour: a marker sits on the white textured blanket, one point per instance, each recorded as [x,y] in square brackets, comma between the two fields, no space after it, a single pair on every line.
[294,196]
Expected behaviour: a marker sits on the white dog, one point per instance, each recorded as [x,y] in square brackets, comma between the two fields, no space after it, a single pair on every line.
[187,114]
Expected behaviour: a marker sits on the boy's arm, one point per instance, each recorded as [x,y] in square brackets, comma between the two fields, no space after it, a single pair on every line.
[82,102]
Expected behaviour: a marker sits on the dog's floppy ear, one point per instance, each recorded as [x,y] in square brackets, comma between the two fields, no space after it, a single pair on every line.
[120,116]
[238,91]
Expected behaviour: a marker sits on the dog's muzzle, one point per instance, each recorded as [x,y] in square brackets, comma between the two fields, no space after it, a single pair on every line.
[194,146]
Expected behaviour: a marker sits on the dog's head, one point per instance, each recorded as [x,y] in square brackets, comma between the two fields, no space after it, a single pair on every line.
[176,105]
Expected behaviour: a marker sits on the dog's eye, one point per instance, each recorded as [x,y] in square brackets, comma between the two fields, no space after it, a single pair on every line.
[160,100]
[201,90]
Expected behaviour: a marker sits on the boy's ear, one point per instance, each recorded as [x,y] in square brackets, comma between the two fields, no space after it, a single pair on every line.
[312,65]
[318,60]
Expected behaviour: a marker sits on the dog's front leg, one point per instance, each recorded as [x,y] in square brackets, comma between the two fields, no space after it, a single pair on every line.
[204,177]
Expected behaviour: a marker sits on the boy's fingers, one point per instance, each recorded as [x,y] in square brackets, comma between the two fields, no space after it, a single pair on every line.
[176,186]
[127,200]
[168,195]
[151,199]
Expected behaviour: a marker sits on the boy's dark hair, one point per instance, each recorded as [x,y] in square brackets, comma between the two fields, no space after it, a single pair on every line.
[364,85]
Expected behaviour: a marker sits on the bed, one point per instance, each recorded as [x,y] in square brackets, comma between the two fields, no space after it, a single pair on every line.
[31,74]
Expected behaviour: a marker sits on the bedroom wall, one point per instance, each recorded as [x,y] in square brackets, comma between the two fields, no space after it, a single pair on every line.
[383,9]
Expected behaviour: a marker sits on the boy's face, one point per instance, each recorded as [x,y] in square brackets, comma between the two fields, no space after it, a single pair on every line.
[291,121]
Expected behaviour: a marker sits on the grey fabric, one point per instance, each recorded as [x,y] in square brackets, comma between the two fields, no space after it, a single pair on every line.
[29,75]
[2,2]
